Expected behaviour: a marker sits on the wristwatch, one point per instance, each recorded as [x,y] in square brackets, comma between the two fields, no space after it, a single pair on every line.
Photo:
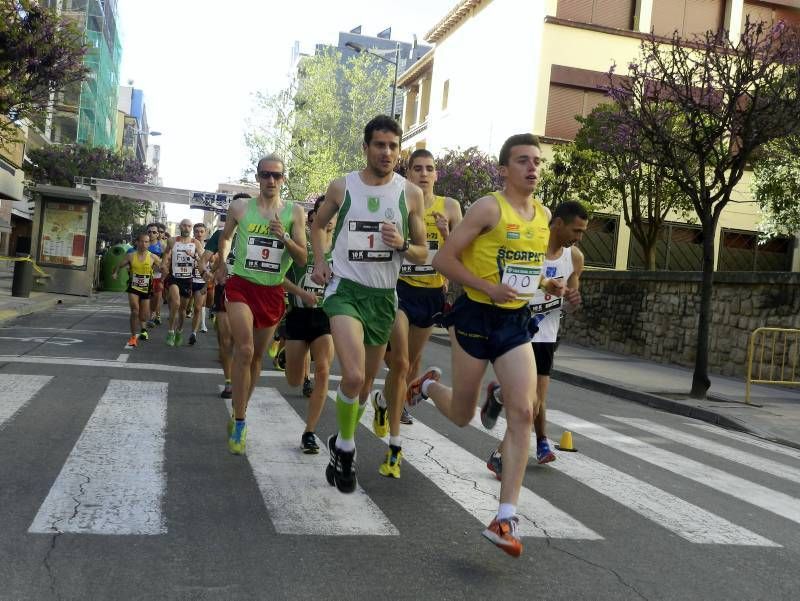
[404,248]
[286,236]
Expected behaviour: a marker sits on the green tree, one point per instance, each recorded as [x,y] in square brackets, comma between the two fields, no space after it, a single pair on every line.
[60,165]
[776,187]
[644,193]
[572,174]
[40,54]
[317,122]
[702,108]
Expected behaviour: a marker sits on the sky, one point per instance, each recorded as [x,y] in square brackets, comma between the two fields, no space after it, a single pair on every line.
[199,62]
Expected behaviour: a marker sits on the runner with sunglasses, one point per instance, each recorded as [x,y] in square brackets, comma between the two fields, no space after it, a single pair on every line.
[270,235]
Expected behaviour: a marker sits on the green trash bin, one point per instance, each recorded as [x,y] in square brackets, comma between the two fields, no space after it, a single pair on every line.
[113,257]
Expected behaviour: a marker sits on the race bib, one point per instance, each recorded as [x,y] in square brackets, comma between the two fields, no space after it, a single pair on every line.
[408,268]
[140,281]
[264,254]
[364,242]
[522,278]
[543,302]
[310,285]
[184,264]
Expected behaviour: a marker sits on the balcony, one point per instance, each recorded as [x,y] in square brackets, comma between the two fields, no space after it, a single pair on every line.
[415,129]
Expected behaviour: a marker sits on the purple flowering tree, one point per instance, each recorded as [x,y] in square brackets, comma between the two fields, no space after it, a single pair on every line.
[466,175]
[701,109]
[60,165]
[40,54]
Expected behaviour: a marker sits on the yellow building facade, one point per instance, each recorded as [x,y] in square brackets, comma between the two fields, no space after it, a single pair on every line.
[500,67]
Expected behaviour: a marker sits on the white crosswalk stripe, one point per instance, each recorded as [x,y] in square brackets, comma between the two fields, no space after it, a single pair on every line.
[113,481]
[464,477]
[16,391]
[685,519]
[748,439]
[744,490]
[298,498]
[767,466]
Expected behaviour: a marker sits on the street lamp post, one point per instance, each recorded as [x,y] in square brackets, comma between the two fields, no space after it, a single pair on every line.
[396,62]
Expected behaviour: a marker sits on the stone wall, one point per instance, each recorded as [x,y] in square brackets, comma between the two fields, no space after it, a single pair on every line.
[654,315]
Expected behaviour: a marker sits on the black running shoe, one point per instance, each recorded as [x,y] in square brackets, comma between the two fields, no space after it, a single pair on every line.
[308,388]
[227,391]
[341,470]
[308,443]
[192,339]
[492,406]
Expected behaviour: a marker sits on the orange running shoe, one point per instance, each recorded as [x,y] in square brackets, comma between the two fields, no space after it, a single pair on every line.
[503,533]
[132,342]
[414,392]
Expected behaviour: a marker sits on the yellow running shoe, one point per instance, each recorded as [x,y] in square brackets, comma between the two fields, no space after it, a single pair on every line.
[380,420]
[238,438]
[273,349]
[391,467]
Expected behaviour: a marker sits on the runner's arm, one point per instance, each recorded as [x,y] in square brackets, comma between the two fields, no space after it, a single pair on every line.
[417,251]
[573,295]
[165,259]
[296,244]
[125,261]
[334,197]
[308,299]
[481,217]
[235,212]
[452,209]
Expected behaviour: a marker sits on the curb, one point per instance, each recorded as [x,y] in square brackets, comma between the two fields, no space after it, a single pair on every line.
[27,309]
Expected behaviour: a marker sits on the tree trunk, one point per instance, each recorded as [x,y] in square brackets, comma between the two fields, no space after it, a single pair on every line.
[650,256]
[700,381]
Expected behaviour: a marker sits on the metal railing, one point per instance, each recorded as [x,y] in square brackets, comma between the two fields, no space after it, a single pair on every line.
[775,354]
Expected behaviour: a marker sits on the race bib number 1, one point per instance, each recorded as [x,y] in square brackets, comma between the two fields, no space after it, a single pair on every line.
[264,254]
[364,242]
[522,278]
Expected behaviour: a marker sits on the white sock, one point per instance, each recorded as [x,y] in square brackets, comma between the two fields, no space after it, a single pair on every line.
[396,441]
[506,511]
[343,444]
[424,388]
[380,399]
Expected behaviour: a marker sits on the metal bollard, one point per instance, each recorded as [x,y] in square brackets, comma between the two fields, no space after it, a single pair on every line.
[22,281]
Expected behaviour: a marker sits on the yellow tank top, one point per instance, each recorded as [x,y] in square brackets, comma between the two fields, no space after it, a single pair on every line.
[512,252]
[141,272]
[424,276]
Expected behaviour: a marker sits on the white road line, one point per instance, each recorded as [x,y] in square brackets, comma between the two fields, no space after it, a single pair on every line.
[113,481]
[749,439]
[123,357]
[67,330]
[107,363]
[730,453]
[464,477]
[298,498]
[739,488]
[688,521]
[16,391]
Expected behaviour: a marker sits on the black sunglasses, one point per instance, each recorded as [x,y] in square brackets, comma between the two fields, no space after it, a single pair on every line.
[276,175]
[152,231]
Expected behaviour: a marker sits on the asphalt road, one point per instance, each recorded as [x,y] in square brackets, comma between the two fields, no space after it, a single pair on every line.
[116,483]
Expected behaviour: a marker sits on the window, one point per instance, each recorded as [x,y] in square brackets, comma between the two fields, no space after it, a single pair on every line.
[740,251]
[609,13]
[445,94]
[688,17]
[599,244]
[762,11]
[679,248]
[564,103]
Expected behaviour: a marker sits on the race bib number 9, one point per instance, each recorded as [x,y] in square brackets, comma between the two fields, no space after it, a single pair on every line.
[140,281]
[522,278]
[264,254]
[364,243]
[408,268]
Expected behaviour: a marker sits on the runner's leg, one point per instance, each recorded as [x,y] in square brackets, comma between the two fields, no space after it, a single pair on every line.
[322,348]
[133,304]
[240,318]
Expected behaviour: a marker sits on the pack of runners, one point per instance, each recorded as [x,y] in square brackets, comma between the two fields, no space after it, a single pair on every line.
[370,271]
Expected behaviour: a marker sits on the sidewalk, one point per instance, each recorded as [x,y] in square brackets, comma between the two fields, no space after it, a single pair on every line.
[12,306]
[774,413]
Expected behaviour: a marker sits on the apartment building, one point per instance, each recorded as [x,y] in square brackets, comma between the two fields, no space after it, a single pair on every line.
[503,66]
